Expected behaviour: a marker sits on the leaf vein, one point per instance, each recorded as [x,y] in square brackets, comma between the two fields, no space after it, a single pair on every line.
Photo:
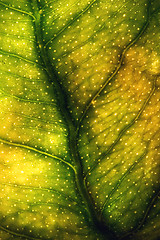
[38,151]
[17,10]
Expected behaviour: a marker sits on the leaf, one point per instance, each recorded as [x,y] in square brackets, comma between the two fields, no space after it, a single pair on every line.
[79,132]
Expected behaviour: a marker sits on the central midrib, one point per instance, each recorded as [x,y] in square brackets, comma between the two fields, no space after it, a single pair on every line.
[79,178]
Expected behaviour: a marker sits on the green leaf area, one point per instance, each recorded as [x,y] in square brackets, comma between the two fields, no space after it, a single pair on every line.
[80,119]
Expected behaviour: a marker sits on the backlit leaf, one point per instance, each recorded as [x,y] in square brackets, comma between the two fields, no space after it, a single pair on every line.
[79,119]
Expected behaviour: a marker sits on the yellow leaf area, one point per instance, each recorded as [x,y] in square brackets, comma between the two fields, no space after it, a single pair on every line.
[119,141]
[87,40]
[38,194]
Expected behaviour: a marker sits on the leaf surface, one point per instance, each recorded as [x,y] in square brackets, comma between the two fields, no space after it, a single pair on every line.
[79,119]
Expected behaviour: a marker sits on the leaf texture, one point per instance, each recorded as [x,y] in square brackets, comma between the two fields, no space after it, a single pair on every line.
[79,119]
